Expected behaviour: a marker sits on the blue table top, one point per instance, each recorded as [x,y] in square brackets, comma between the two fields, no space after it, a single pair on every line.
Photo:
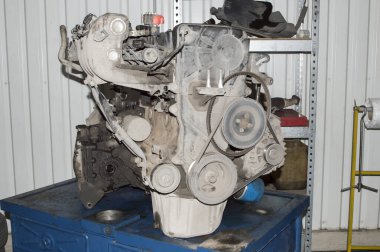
[243,223]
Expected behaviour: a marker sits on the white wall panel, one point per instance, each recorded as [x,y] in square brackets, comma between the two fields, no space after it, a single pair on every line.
[320,122]
[356,77]
[40,107]
[35,29]
[334,113]
[7,178]
[369,213]
[19,96]
[348,71]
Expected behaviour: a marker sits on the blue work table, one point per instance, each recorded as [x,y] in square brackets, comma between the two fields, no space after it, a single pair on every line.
[53,219]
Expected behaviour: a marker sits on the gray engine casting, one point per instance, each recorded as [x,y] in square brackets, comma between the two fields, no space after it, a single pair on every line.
[177,114]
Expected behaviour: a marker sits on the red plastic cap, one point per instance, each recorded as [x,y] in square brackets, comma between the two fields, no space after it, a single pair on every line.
[158,20]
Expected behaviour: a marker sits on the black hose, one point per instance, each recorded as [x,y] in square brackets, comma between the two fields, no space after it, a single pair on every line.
[166,60]
[231,153]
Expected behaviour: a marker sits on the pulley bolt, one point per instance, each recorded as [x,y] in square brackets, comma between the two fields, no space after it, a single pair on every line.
[273,153]
[211,177]
[166,180]
[244,122]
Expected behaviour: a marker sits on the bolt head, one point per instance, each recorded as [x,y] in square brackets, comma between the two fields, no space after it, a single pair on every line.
[118,26]
[113,55]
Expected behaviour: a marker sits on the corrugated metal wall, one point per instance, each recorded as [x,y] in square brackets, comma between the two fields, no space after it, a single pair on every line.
[39,106]
[349,69]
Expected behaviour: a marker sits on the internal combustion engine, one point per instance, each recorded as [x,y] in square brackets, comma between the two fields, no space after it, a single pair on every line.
[184,114]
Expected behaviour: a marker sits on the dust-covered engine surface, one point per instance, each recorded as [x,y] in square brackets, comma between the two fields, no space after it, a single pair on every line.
[178,114]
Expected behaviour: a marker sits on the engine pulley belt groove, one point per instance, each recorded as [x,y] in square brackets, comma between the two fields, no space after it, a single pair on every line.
[231,153]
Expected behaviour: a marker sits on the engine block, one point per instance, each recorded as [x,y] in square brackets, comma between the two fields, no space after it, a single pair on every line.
[179,114]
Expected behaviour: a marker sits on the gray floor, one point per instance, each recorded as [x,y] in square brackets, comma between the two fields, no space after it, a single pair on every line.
[8,247]
[322,240]
[336,240]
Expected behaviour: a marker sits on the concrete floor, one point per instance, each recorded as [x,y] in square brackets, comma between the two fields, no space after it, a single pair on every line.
[322,240]
[336,240]
[8,247]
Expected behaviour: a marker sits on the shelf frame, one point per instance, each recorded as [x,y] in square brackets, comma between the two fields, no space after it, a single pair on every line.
[301,47]
[259,45]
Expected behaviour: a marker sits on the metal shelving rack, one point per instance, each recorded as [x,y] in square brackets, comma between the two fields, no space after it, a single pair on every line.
[293,46]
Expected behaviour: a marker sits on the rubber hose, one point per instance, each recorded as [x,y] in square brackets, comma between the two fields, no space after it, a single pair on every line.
[62,51]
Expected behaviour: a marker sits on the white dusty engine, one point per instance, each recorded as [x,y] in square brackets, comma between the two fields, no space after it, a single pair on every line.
[178,114]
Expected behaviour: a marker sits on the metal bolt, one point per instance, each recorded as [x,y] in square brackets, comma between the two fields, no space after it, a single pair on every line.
[107,230]
[118,26]
[248,91]
[166,180]
[211,177]
[113,55]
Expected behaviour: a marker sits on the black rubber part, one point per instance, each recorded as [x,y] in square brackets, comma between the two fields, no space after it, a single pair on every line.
[3,232]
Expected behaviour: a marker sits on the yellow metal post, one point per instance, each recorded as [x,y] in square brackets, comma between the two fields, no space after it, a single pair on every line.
[355,173]
[367,248]
[352,181]
[368,173]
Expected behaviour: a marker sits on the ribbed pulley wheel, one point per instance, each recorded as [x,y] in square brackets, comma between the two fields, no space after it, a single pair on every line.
[244,123]
[166,178]
[213,179]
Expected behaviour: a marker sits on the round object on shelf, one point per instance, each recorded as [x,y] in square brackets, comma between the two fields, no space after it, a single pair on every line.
[110,216]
